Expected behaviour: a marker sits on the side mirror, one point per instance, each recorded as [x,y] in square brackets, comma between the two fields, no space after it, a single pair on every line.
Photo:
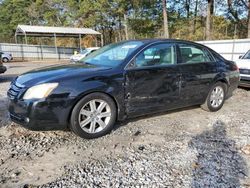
[240,56]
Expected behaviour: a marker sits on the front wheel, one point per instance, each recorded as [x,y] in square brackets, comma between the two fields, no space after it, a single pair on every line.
[5,60]
[215,98]
[93,116]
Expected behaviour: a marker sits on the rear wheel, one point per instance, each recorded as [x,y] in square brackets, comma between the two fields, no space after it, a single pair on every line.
[215,98]
[93,116]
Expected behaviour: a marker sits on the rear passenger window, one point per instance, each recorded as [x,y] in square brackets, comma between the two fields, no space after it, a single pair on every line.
[192,54]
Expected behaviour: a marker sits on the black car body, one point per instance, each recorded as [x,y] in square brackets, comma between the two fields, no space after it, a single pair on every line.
[135,90]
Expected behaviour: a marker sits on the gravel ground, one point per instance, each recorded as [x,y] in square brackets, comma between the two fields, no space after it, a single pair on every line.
[182,148]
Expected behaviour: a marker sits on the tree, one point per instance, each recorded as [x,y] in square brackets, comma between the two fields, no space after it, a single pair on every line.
[12,13]
[165,18]
[248,19]
[247,6]
[195,17]
[210,7]
[237,9]
[118,20]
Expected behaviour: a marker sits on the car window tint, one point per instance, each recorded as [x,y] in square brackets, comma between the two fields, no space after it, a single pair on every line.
[192,54]
[161,54]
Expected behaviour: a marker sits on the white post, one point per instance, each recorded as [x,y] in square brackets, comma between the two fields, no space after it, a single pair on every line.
[80,39]
[102,43]
[233,49]
[56,45]
[25,38]
[15,37]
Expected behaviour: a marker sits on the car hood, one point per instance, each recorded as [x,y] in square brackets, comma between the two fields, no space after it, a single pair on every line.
[56,73]
[243,63]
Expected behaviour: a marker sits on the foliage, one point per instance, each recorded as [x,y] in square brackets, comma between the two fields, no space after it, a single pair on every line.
[132,19]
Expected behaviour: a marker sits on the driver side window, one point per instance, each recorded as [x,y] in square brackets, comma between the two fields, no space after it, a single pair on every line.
[157,55]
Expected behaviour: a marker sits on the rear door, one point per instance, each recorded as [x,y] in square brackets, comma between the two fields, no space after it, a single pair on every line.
[152,80]
[198,69]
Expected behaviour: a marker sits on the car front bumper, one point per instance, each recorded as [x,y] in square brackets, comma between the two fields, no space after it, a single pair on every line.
[42,114]
[244,80]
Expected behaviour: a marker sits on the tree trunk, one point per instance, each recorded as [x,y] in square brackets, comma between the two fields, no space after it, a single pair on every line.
[126,26]
[120,29]
[187,6]
[248,27]
[195,17]
[165,19]
[208,19]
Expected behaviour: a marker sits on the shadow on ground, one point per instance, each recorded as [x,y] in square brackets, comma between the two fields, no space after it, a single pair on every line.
[245,88]
[218,164]
[120,124]
[7,78]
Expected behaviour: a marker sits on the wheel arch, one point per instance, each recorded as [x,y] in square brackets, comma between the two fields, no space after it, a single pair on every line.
[218,78]
[221,78]
[91,92]
[224,81]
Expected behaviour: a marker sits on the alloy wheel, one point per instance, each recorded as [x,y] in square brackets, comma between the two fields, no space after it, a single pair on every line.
[217,97]
[94,116]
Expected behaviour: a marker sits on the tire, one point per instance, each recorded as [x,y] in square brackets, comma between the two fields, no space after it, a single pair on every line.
[84,116]
[5,60]
[214,102]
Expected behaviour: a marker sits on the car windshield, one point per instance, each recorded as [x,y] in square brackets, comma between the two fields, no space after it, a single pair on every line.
[112,55]
[247,55]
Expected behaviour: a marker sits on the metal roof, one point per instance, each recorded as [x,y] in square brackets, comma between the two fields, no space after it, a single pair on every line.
[31,30]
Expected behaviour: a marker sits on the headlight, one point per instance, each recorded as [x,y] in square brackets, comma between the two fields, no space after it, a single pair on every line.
[40,91]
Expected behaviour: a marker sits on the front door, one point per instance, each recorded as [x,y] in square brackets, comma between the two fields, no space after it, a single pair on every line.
[152,80]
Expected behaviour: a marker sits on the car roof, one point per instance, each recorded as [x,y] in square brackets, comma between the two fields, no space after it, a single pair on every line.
[156,40]
[150,41]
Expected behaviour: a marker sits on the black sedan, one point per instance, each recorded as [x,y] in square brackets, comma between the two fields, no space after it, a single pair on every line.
[119,81]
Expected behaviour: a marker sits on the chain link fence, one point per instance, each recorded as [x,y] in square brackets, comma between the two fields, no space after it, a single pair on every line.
[230,49]
[23,52]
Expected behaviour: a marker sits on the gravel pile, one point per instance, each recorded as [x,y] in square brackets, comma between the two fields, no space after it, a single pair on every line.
[143,166]
[31,144]
[210,159]
[3,111]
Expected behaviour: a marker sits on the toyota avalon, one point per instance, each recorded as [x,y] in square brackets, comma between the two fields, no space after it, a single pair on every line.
[119,81]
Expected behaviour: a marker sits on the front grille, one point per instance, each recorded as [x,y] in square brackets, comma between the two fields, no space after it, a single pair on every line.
[14,90]
[244,71]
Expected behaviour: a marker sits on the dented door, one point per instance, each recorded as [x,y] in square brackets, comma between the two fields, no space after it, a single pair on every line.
[151,90]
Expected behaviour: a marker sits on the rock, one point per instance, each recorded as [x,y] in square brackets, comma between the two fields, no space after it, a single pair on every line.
[246,149]
[137,133]
[141,148]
